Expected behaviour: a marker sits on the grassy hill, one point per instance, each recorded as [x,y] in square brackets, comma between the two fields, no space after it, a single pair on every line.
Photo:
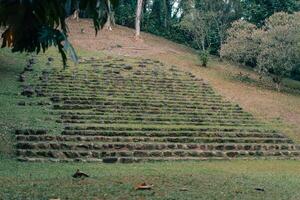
[80,100]
[253,94]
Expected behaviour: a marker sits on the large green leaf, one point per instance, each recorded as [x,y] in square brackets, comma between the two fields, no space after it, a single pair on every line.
[35,25]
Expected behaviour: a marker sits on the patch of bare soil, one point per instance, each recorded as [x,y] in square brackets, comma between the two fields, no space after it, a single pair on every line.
[262,102]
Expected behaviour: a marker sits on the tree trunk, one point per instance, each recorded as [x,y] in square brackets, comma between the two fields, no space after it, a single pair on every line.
[138,18]
[278,88]
[76,15]
[277,81]
[110,17]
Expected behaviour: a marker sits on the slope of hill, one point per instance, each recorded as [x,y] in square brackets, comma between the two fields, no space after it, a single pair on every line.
[133,109]
[236,84]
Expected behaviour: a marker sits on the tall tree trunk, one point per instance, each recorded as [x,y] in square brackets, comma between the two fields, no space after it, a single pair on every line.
[110,18]
[138,18]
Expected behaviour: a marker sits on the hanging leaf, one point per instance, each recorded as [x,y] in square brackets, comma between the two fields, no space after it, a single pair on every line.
[35,25]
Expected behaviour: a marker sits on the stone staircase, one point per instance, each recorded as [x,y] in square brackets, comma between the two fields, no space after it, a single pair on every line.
[145,111]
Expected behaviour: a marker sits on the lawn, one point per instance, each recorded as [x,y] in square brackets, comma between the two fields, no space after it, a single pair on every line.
[176,180]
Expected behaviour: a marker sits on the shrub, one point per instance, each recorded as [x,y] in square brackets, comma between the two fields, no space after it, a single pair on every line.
[204,57]
[280,52]
[273,49]
[242,43]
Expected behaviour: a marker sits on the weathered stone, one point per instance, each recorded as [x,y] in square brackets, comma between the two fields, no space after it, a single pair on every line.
[125,154]
[180,153]
[50,59]
[128,67]
[28,68]
[232,154]
[155,154]
[22,77]
[55,146]
[55,99]
[110,160]
[71,154]
[28,91]
[140,154]
[31,61]
[230,147]
[127,160]
[57,154]
[39,92]
[206,154]
[192,146]
[167,154]
[142,65]
[22,103]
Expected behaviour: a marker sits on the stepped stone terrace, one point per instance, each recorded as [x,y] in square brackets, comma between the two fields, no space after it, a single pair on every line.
[112,111]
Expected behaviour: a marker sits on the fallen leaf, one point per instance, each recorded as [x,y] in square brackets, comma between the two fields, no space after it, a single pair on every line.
[183,189]
[144,186]
[260,189]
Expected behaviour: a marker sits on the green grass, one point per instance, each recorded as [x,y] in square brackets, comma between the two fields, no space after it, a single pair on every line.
[203,180]
[12,116]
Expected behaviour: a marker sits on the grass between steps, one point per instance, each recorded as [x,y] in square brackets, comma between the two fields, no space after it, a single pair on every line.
[13,116]
[175,180]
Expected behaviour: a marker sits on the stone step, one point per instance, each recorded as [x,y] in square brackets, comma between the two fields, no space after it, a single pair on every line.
[30,132]
[151,159]
[157,117]
[69,154]
[80,138]
[183,115]
[138,87]
[170,128]
[165,122]
[133,90]
[77,79]
[100,146]
[133,133]
[112,102]
[128,105]
[137,99]
[141,109]
[183,97]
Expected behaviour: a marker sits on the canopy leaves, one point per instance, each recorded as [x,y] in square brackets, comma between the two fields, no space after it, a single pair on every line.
[35,25]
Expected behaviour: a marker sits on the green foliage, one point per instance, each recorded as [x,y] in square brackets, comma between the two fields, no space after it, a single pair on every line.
[125,13]
[242,43]
[280,50]
[273,49]
[256,11]
[204,57]
[35,25]
[199,25]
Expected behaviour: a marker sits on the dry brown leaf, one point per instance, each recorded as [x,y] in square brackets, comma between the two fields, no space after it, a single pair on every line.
[144,186]
[183,189]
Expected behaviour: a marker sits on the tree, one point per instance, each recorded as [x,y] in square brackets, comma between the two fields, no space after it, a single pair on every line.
[257,11]
[110,17]
[198,25]
[273,49]
[35,25]
[242,43]
[225,12]
[139,7]
[125,13]
[280,46]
